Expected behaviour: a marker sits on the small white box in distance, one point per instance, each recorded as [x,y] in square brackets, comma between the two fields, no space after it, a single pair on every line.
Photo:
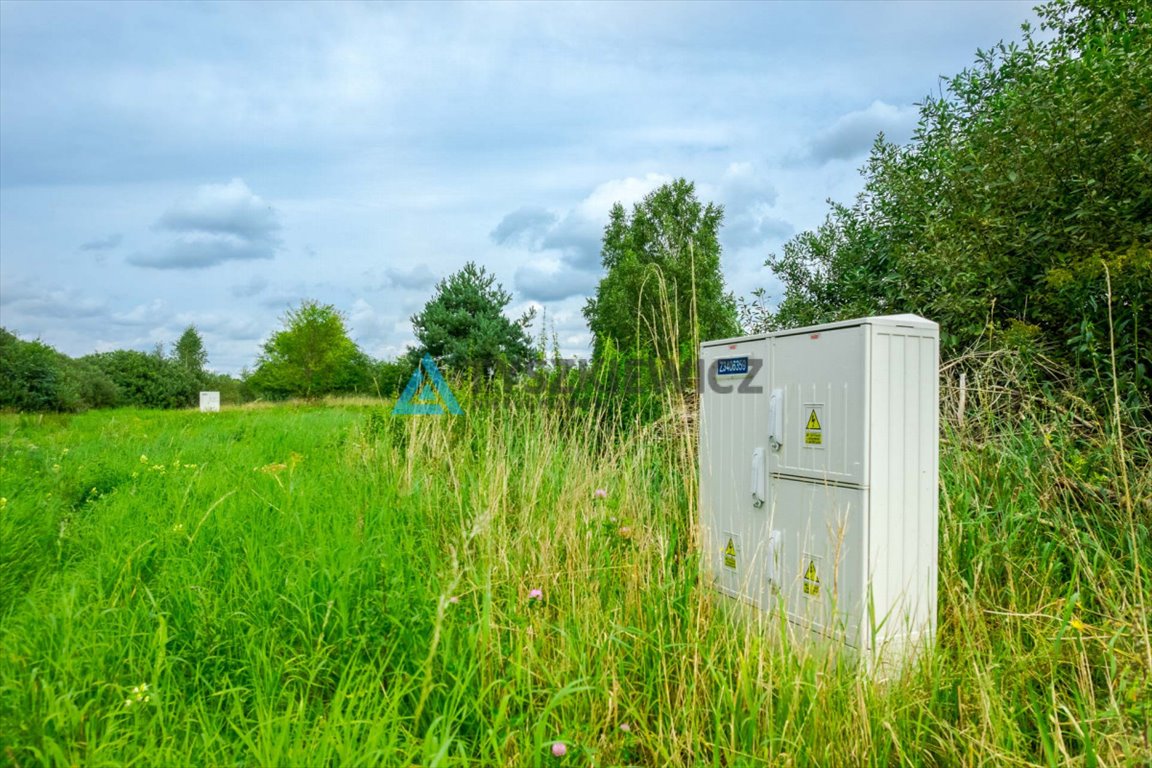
[819,453]
[209,402]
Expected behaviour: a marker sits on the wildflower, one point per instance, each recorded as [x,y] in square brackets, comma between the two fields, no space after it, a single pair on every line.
[536,594]
[1078,625]
[139,695]
[625,532]
[558,749]
[600,493]
[454,599]
[626,727]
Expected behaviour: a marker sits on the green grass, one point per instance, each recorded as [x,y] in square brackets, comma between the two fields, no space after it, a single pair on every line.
[328,584]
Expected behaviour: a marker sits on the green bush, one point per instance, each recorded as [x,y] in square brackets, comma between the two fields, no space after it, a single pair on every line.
[147,380]
[33,377]
[1025,199]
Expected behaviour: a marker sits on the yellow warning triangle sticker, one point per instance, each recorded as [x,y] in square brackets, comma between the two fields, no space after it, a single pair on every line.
[730,550]
[813,422]
[810,574]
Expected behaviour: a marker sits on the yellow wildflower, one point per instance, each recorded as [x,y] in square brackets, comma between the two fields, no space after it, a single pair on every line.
[1078,625]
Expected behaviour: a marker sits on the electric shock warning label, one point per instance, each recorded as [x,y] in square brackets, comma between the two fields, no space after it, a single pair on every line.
[730,555]
[813,425]
[811,579]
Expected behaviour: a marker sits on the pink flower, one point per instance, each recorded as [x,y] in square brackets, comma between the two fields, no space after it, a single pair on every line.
[536,594]
[626,727]
[558,749]
[454,599]
[600,493]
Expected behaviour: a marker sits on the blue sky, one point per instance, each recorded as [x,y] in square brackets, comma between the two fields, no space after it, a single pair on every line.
[164,164]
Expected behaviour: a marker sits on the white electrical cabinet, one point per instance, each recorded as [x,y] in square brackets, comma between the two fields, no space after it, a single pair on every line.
[209,402]
[819,453]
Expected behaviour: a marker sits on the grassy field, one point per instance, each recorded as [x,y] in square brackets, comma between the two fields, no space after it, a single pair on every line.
[329,584]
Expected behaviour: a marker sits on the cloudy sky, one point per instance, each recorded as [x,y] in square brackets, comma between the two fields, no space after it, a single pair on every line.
[166,164]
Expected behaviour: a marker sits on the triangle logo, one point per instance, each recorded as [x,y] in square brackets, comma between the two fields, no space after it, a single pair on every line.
[813,422]
[427,394]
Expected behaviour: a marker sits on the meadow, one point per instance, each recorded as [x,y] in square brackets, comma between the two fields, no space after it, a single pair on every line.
[311,584]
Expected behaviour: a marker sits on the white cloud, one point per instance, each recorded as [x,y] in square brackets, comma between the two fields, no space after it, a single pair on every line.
[152,314]
[224,209]
[216,224]
[749,198]
[852,134]
[417,278]
[367,324]
[25,298]
[524,226]
[571,242]
[553,279]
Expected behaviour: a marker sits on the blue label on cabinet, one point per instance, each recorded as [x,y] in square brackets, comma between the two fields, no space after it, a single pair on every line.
[732,366]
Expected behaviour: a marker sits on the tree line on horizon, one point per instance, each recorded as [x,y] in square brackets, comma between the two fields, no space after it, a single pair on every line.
[1019,218]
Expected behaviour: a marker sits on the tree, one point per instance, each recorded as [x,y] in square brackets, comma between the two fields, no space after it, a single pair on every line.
[310,357]
[31,378]
[35,377]
[146,380]
[189,351]
[663,290]
[463,324]
[1022,209]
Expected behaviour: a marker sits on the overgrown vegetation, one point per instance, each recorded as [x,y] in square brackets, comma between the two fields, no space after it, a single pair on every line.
[330,583]
[1021,213]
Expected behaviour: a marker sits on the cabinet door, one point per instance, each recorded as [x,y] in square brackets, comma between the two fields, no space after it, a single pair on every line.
[821,387]
[823,583]
[733,463]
